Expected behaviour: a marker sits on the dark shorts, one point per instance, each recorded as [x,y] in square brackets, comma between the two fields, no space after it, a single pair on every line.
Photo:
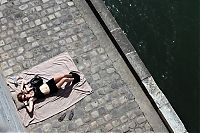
[52,86]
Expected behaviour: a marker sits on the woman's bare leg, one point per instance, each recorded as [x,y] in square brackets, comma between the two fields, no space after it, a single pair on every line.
[58,77]
[62,81]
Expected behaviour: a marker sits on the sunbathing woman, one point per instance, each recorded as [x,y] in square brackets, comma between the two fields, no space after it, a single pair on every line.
[29,95]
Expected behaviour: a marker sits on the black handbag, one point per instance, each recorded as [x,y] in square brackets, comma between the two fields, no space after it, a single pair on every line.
[36,81]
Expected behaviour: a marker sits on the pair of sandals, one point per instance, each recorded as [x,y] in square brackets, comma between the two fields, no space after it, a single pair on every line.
[71,115]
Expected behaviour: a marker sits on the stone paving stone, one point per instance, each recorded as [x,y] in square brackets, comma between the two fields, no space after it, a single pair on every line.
[42,29]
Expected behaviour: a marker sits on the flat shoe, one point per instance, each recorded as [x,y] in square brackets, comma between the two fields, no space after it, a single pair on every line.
[61,118]
[71,115]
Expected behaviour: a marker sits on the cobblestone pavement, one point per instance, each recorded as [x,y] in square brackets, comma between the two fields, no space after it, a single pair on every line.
[32,31]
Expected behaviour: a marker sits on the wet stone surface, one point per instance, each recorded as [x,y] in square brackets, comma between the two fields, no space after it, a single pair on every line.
[33,31]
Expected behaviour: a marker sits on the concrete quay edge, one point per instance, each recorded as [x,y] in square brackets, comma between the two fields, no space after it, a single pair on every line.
[163,107]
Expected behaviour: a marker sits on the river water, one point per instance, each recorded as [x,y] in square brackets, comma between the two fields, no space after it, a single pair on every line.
[165,35]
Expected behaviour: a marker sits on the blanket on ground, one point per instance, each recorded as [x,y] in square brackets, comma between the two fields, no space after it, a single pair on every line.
[65,98]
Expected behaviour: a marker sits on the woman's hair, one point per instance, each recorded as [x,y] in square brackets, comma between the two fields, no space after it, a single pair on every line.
[19,96]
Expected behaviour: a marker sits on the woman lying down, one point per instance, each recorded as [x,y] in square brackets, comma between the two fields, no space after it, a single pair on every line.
[30,93]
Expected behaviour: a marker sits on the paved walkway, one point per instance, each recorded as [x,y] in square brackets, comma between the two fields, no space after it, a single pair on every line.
[32,31]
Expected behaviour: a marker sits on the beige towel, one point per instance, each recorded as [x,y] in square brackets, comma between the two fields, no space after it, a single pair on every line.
[63,99]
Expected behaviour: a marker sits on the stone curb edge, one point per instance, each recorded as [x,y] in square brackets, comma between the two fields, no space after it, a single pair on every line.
[9,119]
[164,108]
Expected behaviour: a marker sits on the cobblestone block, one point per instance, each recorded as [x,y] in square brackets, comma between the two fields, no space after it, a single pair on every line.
[44,26]
[57,8]
[132,124]
[4,65]
[51,16]
[4,21]
[101,101]
[94,69]
[8,72]
[75,38]
[95,114]
[23,7]
[109,106]
[101,91]
[70,3]
[7,47]
[58,14]
[50,10]
[25,27]
[31,24]
[138,130]
[20,58]
[35,44]
[108,97]
[95,76]
[10,32]
[110,70]
[5,56]
[141,119]
[108,117]
[116,123]
[125,128]
[100,50]
[102,111]
[25,20]
[88,107]
[56,29]
[8,40]
[94,125]
[100,121]
[20,50]
[18,22]
[68,40]
[28,55]
[59,1]
[44,1]
[86,119]
[3,28]
[30,39]
[12,62]
[38,8]
[115,103]
[23,34]
[131,114]
[16,68]
[94,104]
[124,119]
[79,122]
[123,99]
[108,127]
[38,22]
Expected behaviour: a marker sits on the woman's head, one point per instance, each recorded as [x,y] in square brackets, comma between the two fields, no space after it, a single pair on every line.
[22,97]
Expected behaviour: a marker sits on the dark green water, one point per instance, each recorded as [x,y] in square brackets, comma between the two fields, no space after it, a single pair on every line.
[165,35]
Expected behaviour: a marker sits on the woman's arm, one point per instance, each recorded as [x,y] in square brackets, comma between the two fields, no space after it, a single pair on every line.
[22,85]
[30,105]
